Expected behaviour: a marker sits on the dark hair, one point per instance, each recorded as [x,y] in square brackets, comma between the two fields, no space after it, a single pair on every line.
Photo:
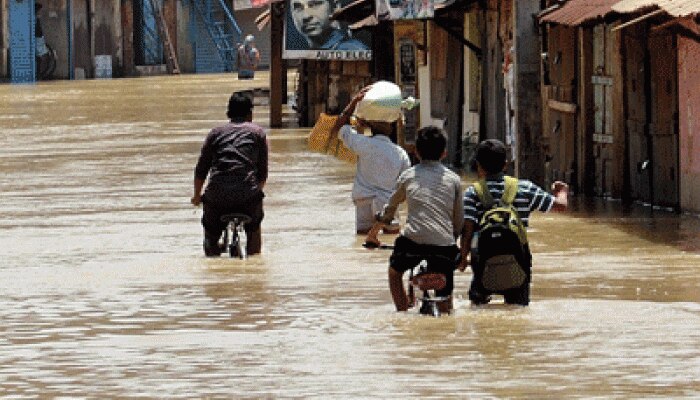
[431,142]
[491,155]
[240,105]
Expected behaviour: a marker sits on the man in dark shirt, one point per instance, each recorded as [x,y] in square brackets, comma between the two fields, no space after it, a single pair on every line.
[234,157]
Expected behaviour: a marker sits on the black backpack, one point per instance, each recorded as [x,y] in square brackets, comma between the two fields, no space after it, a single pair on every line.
[502,251]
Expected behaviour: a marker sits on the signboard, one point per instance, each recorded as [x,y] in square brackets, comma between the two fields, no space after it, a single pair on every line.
[310,33]
[404,9]
[407,58]
[247,4]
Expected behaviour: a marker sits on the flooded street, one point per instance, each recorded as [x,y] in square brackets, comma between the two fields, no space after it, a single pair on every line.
[105,292]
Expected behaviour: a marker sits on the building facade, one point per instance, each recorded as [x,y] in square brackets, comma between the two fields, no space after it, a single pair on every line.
[116,38]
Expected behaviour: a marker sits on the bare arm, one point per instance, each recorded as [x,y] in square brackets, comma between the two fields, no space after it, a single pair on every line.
[197,197]
[344,117]
[201,170]
[256,58]
[263,157]
[560,190]
[373,232]
[387,214]
[465,244]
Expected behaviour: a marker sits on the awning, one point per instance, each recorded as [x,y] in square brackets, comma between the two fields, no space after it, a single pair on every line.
[577,12]
[676,8]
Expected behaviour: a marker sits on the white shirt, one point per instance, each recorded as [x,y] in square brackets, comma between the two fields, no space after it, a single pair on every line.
[379,163]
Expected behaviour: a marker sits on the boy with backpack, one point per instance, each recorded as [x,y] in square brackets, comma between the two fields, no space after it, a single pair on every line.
[496,214]
[433,194]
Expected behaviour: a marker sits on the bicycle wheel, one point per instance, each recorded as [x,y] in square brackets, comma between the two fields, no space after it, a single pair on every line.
[240,247]
[233,245]
[233,250]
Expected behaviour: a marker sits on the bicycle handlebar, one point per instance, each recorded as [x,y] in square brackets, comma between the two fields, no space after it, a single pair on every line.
[370,245]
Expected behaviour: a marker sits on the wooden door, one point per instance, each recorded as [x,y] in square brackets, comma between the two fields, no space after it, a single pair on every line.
[664,119]
[82,44]
[602,80]
[561,107]
[636,72]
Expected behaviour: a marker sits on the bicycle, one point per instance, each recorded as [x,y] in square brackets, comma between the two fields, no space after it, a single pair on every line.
[234,239]
[423,279]
[429,282]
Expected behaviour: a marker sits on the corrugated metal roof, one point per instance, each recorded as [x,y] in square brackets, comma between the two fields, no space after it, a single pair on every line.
[677,8]
[576,12]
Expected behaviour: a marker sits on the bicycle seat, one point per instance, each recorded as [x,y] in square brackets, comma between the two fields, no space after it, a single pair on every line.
[429,281]
[236,218]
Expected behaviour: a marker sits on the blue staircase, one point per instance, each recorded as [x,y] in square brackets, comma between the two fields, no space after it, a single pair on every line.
[217,36]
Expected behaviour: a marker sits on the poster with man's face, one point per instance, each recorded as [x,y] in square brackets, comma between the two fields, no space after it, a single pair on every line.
[310,33]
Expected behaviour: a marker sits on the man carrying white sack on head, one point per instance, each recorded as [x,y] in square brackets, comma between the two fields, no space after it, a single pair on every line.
[379,160]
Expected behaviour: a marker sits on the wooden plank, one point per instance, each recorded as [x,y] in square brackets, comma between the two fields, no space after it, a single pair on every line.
[438,52]
[127,20]
[602,80]
[569,108]
[620,151]
[586,179]
[170,54]
[603,138]
[276,65]
[609,112]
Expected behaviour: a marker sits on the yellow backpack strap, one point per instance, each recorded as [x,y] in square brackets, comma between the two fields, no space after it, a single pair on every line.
[482,191]
[510,190]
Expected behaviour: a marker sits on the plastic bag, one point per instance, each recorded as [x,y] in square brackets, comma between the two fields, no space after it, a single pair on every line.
[383,102]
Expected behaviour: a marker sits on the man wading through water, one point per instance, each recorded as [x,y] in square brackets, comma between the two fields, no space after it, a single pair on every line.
[235,157]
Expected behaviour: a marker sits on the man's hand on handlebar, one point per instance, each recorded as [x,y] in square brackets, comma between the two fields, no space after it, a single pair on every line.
[372,241]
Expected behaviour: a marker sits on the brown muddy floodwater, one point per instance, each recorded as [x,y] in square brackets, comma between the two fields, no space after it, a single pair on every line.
[104,292]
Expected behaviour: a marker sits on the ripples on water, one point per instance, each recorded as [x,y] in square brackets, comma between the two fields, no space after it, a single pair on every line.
[105,292]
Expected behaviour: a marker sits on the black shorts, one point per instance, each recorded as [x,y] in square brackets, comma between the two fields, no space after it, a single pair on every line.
[441,259]
[214,210]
